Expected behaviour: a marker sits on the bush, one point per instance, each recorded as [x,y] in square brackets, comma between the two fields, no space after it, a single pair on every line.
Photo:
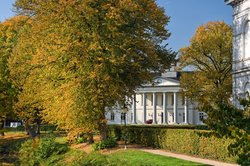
[81,139]
[93,159]
[200,143]
[48,146]
[27,153]
[118,130]
[107,143]
[20,128]
[33,151]
[48,127]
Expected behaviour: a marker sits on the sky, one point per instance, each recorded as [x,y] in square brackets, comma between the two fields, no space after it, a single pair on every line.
[185,17]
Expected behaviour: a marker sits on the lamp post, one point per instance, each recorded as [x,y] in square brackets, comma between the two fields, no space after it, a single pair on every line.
[124,111]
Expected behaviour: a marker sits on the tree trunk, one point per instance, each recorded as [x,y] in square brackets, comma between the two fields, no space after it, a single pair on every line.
[26,127]
[90,138]
[38,128]
[32,131]
[103,131]
[102,126]
[2,128]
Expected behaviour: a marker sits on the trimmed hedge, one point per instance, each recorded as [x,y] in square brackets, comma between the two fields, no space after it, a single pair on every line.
[182,139]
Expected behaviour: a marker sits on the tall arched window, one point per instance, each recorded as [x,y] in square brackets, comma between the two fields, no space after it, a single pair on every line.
[247,90]
[247,40]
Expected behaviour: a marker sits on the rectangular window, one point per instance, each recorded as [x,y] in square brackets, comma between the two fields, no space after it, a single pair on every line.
[183,100]
[172,97]
[151,96]
[201,116]
[123,116]
[161,101]
[112,116]
[141,99]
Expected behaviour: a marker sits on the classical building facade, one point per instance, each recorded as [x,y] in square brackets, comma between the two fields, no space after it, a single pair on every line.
[160,102]
[241,48]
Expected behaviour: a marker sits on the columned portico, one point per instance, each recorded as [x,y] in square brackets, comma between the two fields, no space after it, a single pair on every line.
[156,110]
[159,102]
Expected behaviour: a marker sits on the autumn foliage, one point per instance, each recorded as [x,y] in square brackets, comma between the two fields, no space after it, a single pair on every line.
[209,56]
[73,59]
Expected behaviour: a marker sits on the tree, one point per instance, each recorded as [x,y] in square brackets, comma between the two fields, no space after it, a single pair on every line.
[210,57]
[228,121]
[89,55]
[8,36]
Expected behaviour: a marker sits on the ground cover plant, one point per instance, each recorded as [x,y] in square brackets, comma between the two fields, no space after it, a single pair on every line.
[104,144]
[10,145]
[48,151]
[34,151]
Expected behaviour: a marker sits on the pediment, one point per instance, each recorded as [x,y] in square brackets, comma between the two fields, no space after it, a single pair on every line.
[159,81]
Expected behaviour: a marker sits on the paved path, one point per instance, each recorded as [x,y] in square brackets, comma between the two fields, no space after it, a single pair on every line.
[189,158]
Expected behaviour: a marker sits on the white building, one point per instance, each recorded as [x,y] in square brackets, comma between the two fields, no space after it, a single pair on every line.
[241,48]
[160,103]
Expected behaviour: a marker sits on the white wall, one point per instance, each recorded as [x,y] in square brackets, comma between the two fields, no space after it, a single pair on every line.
[241,50]
[193,115]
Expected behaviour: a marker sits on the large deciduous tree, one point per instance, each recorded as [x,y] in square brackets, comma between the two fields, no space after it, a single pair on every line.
[89,55]
[9,30]
[209,55]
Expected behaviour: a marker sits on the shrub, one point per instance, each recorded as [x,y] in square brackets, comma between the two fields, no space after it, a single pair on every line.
[200,143]
[81,139]
[48,146]
[107,143]
[48,127]
[27,153]
[118,130]
[20,128]
[33,151]
[93,159]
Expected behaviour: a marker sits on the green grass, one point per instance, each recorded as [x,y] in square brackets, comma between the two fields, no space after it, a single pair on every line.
[128,158]
[139,158]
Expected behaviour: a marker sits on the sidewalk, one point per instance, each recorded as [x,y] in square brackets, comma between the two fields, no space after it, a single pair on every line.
[189,158]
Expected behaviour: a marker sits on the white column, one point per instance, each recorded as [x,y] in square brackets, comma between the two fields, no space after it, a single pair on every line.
[175,107]
[144,108]
[134,109]
[154,109]
[165,111]
[186,109]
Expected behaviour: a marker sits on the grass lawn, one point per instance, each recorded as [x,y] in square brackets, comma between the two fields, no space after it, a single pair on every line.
[118,158]
[11,143]
[136,157]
